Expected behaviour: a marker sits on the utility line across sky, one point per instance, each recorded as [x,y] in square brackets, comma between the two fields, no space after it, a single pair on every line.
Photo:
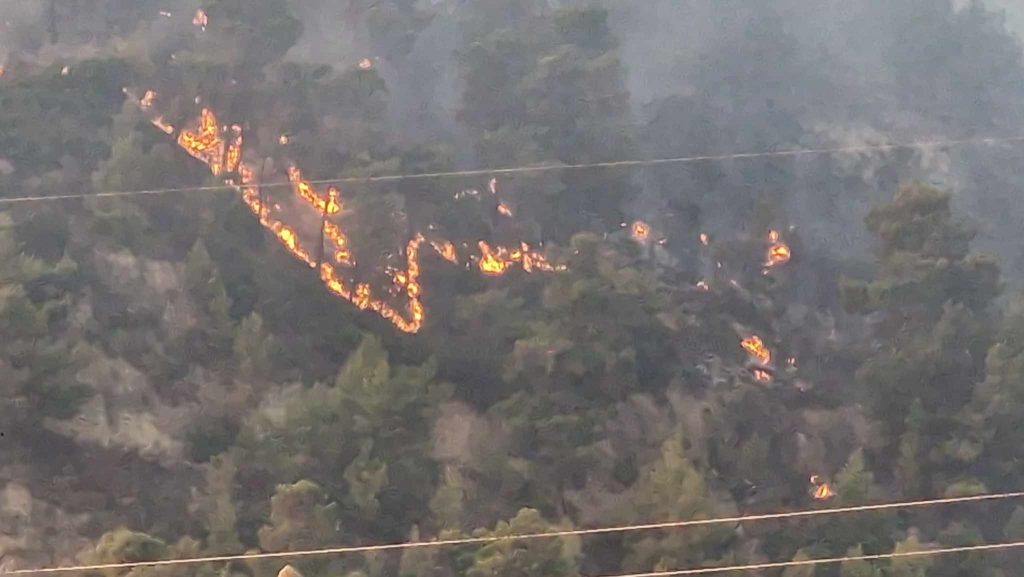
[543,535]
[542,168]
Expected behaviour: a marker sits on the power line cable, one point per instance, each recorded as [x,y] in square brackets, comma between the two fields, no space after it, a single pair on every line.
[541,168]
[542,535]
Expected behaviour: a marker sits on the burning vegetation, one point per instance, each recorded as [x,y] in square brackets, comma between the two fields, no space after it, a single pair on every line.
[221,149]
[756,348]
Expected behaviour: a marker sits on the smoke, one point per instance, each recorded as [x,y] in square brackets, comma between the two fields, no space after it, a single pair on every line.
[705,77]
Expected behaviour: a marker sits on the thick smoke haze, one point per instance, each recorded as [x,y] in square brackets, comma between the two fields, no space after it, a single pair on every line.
[704,77]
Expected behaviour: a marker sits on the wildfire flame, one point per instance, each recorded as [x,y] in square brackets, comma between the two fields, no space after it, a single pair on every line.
[778,252]
[762,376]
[756,348]
[447,251]
[640,231]
[205,143]
[200,19]
[504,210]
[822,490]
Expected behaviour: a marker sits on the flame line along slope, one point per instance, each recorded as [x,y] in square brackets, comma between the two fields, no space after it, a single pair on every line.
[550,534]
[220,149]
[543,168]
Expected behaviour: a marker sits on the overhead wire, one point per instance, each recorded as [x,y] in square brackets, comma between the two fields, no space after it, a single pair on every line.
[540,168]
[828,560]
[805,513]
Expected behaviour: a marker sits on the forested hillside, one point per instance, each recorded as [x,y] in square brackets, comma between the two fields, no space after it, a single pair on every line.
[268,344]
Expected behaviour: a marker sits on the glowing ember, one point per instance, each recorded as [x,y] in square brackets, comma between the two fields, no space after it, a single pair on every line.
[640,231]
[755,347]
[821,491]
[778,252]
[762,376]
[704,239]
[200,19]
[283,139]
[447,251]
[504,210]
[365,64]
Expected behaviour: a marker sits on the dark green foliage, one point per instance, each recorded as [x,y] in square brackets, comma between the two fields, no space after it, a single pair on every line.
[47,116]
[551,89]
[932,295]
[233,404]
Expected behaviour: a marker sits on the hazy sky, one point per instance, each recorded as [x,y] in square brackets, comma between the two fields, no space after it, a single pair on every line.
[1014,13]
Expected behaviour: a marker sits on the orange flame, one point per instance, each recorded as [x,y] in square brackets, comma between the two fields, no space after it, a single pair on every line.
[206,145]
[234,155]
[755,347]
[640,231]
[822,491]
[762,376]
[491,263]
[497,261]
[304,191]
[447,251]
[504,210]
[778,252]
